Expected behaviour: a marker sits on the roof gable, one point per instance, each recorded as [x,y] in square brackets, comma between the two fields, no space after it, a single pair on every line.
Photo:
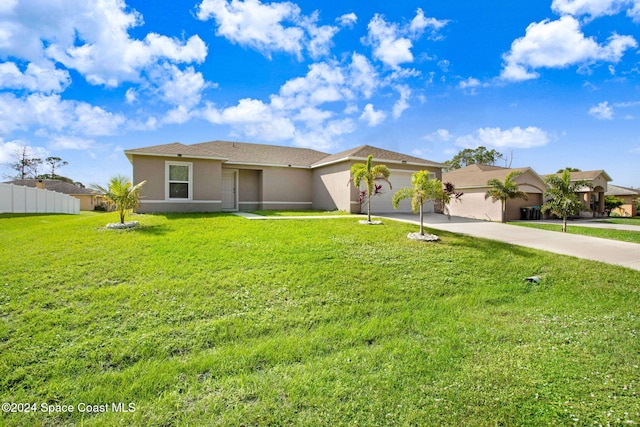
[477,176]
[379,155]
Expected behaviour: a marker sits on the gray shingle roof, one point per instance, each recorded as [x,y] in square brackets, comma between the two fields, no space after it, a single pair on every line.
[53,185]
[478,175]
[243,152]
[262,154]
[616,190]
[584,175]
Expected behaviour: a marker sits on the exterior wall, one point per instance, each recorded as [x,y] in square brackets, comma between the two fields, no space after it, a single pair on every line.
[249,189]
[87,201]
[206,185]
[514,205]
[286,188]
[472,204]
[629,207]
[333,190]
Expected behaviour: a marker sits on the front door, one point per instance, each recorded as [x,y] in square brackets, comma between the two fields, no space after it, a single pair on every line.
[229,184]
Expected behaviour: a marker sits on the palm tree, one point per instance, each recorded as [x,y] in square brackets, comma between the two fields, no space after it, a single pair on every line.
[505,190]
[121,194]
[423,189]
[370,174]
[563,200]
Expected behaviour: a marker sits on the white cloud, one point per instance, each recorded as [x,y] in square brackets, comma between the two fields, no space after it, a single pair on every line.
[91,37]
[388,44]
[11,150]
[51,113]
[272,27]
[440,135]
[347,20]
[71,143]
[602,111]
[420,22]
[254,118]
[182,88]
[34,78]
[509,138]
[362,75]
[597,8]
[323,83]
[470,83]
[371,116]
[402,103]
[131,96]
[392,43]
[559,44]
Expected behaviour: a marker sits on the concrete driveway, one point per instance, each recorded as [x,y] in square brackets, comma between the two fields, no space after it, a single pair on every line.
[592,248]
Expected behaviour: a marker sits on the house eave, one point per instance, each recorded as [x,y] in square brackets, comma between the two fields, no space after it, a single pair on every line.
[264,165]
[383,161]
[130,155]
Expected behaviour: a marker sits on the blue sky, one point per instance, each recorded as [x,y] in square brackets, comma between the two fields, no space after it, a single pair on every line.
[547,83]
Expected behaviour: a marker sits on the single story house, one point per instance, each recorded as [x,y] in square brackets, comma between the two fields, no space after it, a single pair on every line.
[592,198]
[88,198]
[472,181]
[630,196]
[237,176]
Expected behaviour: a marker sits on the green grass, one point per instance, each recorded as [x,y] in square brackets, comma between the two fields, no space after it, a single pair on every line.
[627,221]
[300,213]
[211,319]
[604,233]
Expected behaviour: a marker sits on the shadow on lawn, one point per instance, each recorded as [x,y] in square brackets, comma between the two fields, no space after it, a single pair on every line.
[153,230]
[490,247]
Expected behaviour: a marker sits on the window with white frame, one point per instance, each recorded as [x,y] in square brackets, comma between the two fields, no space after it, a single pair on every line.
[179,180]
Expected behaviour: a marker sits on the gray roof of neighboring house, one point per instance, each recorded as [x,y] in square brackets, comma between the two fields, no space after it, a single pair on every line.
[584,175]
[616,190]
[54,185]
[477,175]
[276,155]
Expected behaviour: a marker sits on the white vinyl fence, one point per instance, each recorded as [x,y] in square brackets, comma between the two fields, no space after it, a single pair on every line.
[22,199]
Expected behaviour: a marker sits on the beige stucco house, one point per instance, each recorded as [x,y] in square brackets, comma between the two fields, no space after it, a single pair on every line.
[88,198]
[472,181]
[630,196]
[592,198]
[236,176]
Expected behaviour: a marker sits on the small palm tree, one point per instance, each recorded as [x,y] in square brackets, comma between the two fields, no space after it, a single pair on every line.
[505,190]
[563,200]
[423,189]
[370,174]
[121,194]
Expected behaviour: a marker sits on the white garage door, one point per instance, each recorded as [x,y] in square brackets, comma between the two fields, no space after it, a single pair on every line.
[382,203]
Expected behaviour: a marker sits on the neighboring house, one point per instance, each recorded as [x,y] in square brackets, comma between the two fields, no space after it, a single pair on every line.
[592,198]
[630,196]
[88,198]
[230,176]
[472,181]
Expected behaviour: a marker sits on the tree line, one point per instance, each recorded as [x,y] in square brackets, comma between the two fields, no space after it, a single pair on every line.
[27,166]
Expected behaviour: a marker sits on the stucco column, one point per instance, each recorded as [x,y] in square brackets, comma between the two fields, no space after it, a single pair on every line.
[600,203]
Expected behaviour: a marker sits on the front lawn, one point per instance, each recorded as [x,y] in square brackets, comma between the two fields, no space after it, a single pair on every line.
[211,319]
[604,233]
[300,213]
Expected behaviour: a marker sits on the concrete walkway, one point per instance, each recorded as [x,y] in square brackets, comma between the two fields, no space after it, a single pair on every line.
[593,248]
